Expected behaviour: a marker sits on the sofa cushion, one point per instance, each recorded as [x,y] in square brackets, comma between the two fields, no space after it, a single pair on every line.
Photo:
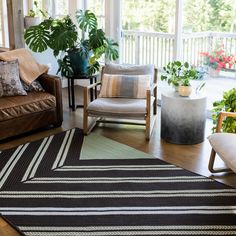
[125,86]
[10,84]
[225,146]
[34,86]
[30,69]
[12,107]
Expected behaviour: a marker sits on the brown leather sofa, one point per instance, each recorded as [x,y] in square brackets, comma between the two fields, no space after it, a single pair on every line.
[20,114]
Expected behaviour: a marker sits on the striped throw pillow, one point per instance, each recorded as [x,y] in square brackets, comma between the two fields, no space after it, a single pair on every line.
[125,86]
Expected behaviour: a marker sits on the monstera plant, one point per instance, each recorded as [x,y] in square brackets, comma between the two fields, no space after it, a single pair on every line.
[75,55]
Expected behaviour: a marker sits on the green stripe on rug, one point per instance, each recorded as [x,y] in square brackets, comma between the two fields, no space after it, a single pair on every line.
[98,147]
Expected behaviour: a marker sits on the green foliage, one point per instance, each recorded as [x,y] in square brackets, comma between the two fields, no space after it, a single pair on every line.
[221,14]
[228,104]
[178,73]
[65,66]
[86,20]
[110,50]
[206,15]
[97,43]
[199,15]
[62,37]
[38,38]
[59,35]
[148,15]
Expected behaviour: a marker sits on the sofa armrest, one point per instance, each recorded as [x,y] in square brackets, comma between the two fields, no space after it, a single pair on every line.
[52,85]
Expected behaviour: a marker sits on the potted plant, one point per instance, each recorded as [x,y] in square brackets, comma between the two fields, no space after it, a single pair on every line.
[228,104]
[72,51]
[217,60]
[33,17]
[178,75]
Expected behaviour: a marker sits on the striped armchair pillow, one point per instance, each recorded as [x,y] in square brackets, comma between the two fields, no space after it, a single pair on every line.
[125,86]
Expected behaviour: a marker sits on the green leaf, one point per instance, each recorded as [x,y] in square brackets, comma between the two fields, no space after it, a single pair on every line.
[87,20]
[65,67]
[92,69]
[178,63]
[228,103]
[186,65]
[63,35]
[111,49]
[96,38]
[163,77]
[37,38]
[59,35]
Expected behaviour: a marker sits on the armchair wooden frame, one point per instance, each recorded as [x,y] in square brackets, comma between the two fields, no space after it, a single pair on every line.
[150,116]
[222,116]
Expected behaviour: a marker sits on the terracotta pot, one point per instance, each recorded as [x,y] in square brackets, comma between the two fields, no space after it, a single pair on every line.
[185,91]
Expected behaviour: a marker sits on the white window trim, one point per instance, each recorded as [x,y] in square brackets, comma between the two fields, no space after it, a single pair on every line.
[5,33]
[178,46]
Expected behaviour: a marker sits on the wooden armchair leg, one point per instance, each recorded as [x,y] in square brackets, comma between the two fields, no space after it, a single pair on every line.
[148,130]
[212,160]
[211,164]
[85,122]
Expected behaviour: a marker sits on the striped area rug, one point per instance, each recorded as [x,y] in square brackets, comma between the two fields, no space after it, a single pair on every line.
[46,189]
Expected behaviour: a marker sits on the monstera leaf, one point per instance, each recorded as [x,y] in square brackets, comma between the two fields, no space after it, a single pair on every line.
[96,38]
[111,49]
[37,38]
[63,35]
[86,20]
[94,67]
[58,35]
[65,66]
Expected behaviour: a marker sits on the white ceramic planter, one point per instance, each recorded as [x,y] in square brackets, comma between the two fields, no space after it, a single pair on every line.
[185,91]
[31,21]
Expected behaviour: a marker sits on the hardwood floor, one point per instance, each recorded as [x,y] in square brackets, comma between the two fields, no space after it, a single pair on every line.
[191,157]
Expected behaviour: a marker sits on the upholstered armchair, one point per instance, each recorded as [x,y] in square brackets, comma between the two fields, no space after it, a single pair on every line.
[223,144]
[126,92]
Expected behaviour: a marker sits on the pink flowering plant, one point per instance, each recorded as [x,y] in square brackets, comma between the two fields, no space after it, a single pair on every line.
[218,59]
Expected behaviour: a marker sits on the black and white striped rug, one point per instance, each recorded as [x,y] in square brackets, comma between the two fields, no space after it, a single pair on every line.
[45,189]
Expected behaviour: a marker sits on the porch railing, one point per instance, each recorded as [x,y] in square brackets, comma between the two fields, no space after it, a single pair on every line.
[158,48]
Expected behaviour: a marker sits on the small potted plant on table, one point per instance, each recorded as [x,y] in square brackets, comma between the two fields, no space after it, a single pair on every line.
[178,75]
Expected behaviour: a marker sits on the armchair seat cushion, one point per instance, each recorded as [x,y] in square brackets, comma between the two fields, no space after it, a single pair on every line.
[12,107]
[118,107]
[225,146]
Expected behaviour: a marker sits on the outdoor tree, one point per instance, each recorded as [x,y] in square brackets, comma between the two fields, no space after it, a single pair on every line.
[199,15]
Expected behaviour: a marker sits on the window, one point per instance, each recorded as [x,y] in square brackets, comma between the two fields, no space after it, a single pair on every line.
[98,8]
[4,38]
[61,7]
[149,15]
